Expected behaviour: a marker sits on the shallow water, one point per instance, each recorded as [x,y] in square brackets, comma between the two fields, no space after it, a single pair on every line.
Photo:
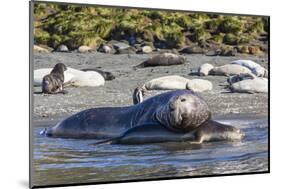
[66,161]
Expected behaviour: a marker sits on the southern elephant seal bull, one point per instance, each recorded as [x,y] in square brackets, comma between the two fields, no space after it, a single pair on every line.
[172,116]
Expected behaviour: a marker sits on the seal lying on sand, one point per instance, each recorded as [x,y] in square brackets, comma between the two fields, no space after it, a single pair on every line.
[236,78]
[172,82]
[248,83]
[165,59]
[199,85]
[73,77]
[53,82]
[204,69]
[108,76]
[172,116]
[229,69]
[256,69]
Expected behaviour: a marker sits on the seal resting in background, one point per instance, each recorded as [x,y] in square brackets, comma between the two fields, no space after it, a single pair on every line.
[199,85]
[229,69]
[164,59]
[108,76]
[256,69]
[249,85]
[236,78]
[53,82]
[179,115]
[171,82]
[204,69]
[73,77]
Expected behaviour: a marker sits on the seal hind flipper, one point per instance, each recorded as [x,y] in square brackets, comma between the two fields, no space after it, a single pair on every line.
[215,131]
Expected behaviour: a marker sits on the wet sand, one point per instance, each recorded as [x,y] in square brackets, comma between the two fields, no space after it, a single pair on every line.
[118,92]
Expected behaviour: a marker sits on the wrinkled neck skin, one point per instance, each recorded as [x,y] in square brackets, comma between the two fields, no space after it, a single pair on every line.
[165,119]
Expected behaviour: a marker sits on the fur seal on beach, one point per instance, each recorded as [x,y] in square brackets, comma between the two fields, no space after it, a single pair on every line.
[256,69]
[229,69]
[179,115]
[164,59]
[73,77]
[53,82]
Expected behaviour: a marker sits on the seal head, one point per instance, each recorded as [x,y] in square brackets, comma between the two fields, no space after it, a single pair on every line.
[183,113]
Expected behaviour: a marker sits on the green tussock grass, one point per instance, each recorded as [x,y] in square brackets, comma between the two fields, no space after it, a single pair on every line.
[75,26]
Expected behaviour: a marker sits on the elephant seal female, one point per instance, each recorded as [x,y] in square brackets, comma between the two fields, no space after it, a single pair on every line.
[53,82]
[229,69]
[256,69]
[256,85]
[164,59]
[73,77]
[171,116]
[108,76]
[204,69]
[171,82]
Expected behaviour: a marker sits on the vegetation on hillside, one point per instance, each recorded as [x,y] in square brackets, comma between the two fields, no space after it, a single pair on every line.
[74,26]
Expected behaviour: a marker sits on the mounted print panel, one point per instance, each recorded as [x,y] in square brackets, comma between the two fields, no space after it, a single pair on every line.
[121,94]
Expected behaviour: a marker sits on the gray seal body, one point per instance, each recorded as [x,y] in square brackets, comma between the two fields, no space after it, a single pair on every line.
[171,116]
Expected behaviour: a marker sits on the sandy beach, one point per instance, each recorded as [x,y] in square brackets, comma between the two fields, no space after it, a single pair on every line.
[118,92]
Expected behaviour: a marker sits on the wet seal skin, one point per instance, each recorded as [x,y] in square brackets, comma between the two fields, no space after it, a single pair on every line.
[53,82]
[172,116]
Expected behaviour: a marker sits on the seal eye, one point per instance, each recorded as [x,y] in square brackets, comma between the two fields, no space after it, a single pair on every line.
[183,100]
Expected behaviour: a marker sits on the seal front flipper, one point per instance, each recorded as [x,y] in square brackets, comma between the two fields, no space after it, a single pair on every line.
[215,131]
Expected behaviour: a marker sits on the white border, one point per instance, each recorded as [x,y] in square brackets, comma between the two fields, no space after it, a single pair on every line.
[14,92]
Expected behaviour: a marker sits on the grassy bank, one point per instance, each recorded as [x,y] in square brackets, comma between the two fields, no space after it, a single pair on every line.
[75,26]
